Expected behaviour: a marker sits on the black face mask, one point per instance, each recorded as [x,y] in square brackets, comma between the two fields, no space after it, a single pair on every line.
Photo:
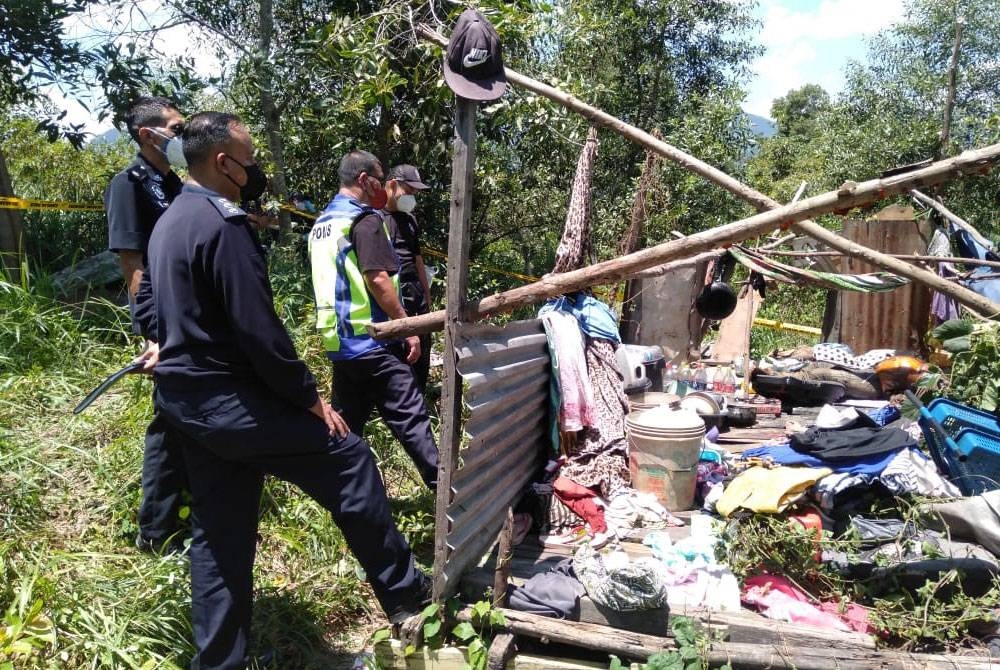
[256,181]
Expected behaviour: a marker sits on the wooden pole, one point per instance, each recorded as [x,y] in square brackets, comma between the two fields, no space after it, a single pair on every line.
[450,442]
[639,646]
[618,268]
[760,201]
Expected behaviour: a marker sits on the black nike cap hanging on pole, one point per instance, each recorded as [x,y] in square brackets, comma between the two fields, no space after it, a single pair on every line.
[473,63]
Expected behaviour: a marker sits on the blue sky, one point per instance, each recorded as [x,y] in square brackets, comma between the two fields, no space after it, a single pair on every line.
[810,41]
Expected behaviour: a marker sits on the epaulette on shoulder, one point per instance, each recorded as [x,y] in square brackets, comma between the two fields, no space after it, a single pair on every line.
[227,208]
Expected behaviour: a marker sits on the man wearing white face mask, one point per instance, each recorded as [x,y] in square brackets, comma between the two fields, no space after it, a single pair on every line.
[134,200]
[402,186]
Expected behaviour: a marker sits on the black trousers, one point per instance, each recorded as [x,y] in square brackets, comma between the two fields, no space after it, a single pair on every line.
[163,478]
[231,438]
[381,380]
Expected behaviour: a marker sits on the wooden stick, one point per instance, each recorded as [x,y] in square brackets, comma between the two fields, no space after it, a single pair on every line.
[907,257]
[462,171]
[951,216]
[760,201]
[615,269]
[744,655]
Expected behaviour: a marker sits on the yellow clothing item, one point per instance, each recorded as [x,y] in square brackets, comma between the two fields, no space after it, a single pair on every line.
[768,490]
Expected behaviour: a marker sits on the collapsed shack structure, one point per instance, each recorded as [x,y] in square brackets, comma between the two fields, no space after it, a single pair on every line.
[495,404]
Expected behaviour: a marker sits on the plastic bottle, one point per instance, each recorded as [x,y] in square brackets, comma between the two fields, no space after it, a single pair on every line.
[730,382]
[670,378]
[701,380]
[684,382]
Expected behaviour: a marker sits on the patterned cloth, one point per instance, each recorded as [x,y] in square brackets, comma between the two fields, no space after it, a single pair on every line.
[599,459]
[619,583]
[843,356]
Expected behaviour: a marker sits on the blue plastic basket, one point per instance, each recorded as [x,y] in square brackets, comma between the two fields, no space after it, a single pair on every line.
[954,417]
[971,457]
[979,460]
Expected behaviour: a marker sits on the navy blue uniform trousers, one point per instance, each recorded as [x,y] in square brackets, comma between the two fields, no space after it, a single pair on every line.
[380,380]
[163,478]
[231,438]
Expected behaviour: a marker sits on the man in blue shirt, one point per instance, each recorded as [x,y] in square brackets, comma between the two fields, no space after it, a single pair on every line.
[244,405]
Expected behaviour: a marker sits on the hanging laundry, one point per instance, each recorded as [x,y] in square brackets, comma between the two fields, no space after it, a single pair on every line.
[768,490]
[595,318]
[576,407]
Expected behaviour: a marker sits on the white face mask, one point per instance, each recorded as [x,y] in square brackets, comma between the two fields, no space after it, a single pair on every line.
[173,149]
[406,203]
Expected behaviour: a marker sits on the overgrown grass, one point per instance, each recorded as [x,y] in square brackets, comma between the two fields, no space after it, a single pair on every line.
[74,592]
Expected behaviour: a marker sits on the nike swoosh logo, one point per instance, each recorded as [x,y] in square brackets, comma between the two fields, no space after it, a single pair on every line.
[475,57]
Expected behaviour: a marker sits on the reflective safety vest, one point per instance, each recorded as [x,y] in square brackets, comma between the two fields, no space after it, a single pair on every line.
[344,307]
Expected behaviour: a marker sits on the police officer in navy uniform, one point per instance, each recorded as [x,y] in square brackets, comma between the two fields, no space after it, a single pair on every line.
[244,405]
[403,186]
[135,199]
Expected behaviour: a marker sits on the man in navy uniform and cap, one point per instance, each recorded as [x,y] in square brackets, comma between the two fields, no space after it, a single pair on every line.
[243,405]
[134,200]
[403,186]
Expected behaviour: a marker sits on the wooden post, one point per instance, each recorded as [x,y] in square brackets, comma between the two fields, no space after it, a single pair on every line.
[505,551]
[618,268]
[450,441]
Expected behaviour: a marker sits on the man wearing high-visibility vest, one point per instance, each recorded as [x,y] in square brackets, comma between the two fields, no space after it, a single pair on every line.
[355,278]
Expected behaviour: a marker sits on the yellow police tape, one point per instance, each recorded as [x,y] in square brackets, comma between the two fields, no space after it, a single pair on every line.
[10,202]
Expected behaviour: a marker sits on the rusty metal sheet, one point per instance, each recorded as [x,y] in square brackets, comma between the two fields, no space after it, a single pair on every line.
[505,373]
[893,320]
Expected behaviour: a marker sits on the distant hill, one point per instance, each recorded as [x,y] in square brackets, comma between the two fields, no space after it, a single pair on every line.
[762,127]
[109,136]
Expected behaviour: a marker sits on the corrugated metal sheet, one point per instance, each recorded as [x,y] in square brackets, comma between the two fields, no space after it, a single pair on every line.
[505,372]
[894,320]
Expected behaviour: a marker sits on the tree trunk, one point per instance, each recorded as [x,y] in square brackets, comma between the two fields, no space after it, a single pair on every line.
[10,230]
[269,112]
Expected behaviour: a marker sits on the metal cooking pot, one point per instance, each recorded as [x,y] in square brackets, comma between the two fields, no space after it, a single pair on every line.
[717,300]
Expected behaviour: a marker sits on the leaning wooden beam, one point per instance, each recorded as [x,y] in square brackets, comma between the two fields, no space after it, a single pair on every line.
[619,268]
[760,201]
[951,216]
[743,655]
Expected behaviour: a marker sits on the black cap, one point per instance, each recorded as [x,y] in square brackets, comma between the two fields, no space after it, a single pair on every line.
[473,64]
[409,175]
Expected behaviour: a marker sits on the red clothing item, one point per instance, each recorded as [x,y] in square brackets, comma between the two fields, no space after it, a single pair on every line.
[580,499]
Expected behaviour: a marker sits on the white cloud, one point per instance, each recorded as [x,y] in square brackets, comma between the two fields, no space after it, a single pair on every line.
[812,45]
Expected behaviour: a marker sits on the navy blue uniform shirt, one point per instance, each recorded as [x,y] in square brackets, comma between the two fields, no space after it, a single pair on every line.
[135,199]
[206,298]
